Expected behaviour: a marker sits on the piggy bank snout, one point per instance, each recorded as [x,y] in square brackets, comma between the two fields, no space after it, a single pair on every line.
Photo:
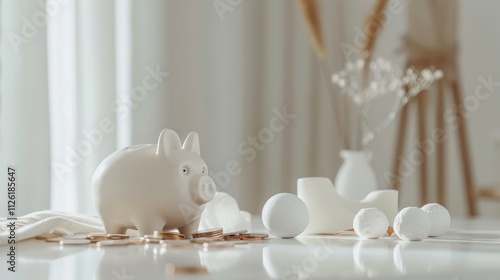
[202,189]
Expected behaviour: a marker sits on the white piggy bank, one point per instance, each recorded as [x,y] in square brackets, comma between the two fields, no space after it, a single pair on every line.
[153,187]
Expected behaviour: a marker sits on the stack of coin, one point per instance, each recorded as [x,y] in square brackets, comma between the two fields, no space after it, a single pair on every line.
[244,236]
[215,234]
[253,236]
[232,237]
[163,235]
[169,235]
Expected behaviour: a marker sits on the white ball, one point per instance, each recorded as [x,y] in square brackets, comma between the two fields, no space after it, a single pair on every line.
[412,223]
[440,218]
[285,215]
[370,223]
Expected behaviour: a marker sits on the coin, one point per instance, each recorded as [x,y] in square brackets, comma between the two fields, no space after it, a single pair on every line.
[215,232]
[232,237]
[253,236]
[74,241]
[169,235]
[98,237]
[208,231]
[116,236]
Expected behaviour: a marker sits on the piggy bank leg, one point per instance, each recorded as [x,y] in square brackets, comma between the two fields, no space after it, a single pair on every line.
[111,228]
[148,224]
[190,228]
[109,221]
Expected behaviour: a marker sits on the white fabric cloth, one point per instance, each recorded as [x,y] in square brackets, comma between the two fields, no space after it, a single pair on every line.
[222,211]
[41,222]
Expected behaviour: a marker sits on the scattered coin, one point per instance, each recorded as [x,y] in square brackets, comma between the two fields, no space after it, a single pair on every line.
[74,241]
[209,238]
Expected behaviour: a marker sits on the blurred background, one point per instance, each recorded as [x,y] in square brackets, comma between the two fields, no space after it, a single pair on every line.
[80,79]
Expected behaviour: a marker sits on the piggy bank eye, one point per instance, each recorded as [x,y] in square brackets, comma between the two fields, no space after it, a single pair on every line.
[185,170]
[204,170]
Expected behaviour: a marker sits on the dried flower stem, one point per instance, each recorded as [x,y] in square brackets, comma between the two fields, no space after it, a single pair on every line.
[372,17]
[311,18]
[337,110]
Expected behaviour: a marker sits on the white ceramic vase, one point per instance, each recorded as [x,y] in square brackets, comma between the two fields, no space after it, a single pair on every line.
[355,178]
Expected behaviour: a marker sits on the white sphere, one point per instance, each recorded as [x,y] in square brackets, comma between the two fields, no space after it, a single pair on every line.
[285,215]
[440,218]
[412,223]
[370,223]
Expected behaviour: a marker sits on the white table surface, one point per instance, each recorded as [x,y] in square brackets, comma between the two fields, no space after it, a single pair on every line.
[470,250]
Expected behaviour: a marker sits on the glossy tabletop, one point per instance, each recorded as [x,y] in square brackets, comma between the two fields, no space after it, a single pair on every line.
[470,250]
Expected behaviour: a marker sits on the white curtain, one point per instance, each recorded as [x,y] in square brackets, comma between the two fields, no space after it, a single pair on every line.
[102,74]
[24,112]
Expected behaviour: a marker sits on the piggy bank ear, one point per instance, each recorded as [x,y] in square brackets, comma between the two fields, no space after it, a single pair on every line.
[192,143]
[168,142]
